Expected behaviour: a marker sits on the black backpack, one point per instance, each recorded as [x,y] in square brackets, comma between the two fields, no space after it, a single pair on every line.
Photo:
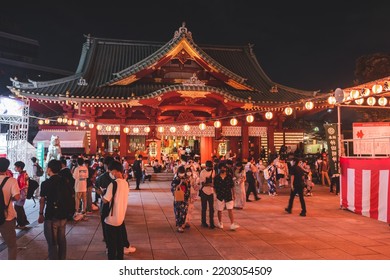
[137,168]
[63,203]
[32,187]
[39,171]
[3,207]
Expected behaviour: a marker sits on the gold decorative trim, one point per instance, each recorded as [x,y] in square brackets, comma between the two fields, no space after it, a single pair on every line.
[193,94]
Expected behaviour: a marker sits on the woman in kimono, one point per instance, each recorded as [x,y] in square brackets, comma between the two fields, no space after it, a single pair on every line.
[180,188]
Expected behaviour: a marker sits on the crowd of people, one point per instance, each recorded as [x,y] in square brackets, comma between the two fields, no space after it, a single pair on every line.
[96,183]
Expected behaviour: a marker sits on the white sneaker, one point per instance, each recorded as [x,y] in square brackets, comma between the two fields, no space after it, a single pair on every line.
[219,225]
[129,250]
[234,226]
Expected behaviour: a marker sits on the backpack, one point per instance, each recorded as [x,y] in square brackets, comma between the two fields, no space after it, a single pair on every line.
[63,203]
[32,187]
[39,171]
[107,207]
[3,207]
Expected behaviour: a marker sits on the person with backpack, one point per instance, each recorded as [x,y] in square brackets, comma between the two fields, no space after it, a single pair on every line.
[23,180]
[251,170]
[116,197]
[9,191]
[137,170]
[56,200]
[37,173]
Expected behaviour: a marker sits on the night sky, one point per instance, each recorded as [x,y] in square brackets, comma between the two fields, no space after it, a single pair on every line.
[307,46]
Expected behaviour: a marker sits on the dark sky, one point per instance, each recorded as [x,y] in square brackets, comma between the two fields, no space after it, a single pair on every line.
[310,46]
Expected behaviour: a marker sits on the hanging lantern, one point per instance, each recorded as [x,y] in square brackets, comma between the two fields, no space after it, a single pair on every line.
[70,122]
[160,129]
[91,125]
[126,130]
[75,122]
[233,122]
[217,124]
[331,100]
[47,121]
[288,111]
[309,105]
[59,120]
[186,127]
[347,99]
[359,101]
[355,94]
[172,129]
[377,89]
[99,127]
[82,124]
[250,118]
[64,120]
[269,115]
[135,130]
[371,101]
[41,122]
[202,126]
[147,129]
[382,101]
[108,128]
[117,128]
[366,92]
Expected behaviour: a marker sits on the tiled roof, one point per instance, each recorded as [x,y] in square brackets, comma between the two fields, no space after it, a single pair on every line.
[104,61]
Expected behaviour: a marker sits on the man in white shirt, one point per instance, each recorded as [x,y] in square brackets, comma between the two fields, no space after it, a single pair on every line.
[10,192]
[80,174]
[117,197]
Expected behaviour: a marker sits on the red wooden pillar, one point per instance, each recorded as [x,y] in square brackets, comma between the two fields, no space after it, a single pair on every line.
[123,142]
[245,140]
[93,139]
[271,143]
[206,148]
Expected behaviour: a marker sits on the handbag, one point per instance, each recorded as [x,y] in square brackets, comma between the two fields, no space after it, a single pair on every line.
[178,194]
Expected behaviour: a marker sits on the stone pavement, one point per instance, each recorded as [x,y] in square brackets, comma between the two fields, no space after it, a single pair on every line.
[266,232]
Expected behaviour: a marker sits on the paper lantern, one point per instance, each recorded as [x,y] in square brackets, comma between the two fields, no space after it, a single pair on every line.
[41,122]
[217,124]
[288,111]
[269,115]
[250,118]
[233,121]
[82,124]
[309,105]
[75,122]
[59,120]
[382,101]
[377,89]
[202,126]
[126,130]
[47,121]
[91,125]
[359,101]
[108,128]
[135,130]
[172,129]
[147,129]
[160,129]
[186,127]
[371,101]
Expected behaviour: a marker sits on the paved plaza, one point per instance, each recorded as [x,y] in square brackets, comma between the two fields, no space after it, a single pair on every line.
[266,232]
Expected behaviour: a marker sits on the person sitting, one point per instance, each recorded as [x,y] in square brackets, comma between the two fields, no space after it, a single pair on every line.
[146,176]
[157,167]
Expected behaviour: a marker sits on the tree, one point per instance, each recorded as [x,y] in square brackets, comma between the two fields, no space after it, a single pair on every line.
[372,67]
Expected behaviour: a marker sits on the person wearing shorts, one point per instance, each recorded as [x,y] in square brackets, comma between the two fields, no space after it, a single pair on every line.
[224,188]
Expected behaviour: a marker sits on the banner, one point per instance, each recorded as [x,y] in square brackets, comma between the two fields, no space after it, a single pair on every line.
[41,153]
[333,145]
[371,138]
[365,184]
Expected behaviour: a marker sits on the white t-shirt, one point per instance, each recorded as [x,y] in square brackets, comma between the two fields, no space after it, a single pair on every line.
[80,174]
[10,189]
[202,179]
[120,203]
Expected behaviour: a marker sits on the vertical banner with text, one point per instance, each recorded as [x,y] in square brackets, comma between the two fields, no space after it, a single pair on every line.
[333,143]
[41,152]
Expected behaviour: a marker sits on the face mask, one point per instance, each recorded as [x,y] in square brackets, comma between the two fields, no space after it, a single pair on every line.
[181,175]
[189,173]
[208,169]
[112,176]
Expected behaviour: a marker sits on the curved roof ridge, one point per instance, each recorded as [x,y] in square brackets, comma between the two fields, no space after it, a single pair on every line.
[42,84]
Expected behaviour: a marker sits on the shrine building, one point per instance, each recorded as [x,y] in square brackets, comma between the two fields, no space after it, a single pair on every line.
[130,97]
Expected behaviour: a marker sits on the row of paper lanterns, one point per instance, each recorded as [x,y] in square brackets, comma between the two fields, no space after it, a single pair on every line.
[358,96]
